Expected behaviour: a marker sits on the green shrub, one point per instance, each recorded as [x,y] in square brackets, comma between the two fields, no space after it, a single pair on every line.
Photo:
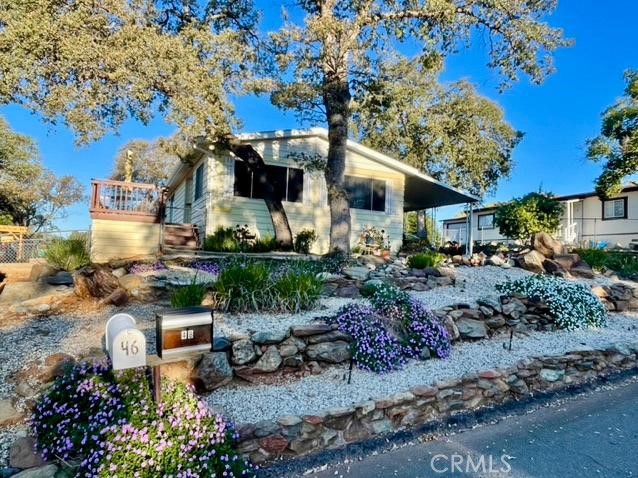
[102,424]
[265,244]
[596,258]
[267,286]
[425,259]
[304,241]
[624,264]
[244,288]
[296,292]
[189,295]
[571,304]
[222,240]
[533,213]
[69,254]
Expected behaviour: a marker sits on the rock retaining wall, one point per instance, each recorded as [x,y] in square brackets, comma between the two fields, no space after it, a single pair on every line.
[290,436]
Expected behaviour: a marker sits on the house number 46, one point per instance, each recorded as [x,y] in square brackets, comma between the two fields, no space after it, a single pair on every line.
[130,348]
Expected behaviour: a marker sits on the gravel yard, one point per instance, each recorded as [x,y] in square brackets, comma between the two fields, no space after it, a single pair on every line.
[330,390]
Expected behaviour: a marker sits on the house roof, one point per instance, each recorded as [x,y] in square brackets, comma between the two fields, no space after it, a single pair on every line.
[421,190]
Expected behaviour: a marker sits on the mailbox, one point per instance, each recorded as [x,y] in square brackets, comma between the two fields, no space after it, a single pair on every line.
[184,331]
[124,342]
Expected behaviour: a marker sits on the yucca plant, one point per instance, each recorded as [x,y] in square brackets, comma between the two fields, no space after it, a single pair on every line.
[69,254]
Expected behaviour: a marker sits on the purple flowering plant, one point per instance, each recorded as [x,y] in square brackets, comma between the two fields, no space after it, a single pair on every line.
[143,268]
[109,427]
[395,328]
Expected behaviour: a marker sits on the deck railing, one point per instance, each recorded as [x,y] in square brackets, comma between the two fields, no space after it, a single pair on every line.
[124,201]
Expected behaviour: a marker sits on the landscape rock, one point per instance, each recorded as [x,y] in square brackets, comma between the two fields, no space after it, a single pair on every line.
[221,344]
[347,292]
[47,471]
[269,361]
[41,270]
[471,328]
[95,281]
[22,454]
[118,298]
[131,281]
[582,269]
[214,370]
[61,278]
[495,260]
[357,272]
[310,329]
[243,352]
[567,261]
[332,352]
[532,261]
[8,414]
[547,245]
[269,337]
[451,327]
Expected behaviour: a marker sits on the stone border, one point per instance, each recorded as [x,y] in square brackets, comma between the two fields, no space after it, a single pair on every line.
[292,436]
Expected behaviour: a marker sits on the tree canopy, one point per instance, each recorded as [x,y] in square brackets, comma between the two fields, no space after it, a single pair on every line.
[617,144]
[330,53]
[94,65]
[530,214]
[30,195]
[144,161]
[449,131]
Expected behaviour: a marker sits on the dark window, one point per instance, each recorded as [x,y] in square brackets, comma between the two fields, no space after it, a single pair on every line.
[615,208]
[287,182]
[295,185]
[243,180]
[366,193]
[199,182]
[486,221]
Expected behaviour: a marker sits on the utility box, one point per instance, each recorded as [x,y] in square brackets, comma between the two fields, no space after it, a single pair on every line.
[184,331]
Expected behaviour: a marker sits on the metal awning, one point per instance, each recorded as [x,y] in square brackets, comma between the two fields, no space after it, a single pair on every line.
[423,192]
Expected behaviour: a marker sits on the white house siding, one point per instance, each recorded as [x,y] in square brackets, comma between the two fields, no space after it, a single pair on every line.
[199,206]
[228,210]
[178,204]
[587,215]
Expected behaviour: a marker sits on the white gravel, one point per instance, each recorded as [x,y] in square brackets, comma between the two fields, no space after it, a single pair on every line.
[249,404]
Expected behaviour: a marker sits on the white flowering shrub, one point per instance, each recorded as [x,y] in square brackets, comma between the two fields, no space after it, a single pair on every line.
[572,305]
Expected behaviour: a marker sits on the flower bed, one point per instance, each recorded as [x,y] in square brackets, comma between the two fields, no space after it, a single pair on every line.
[103,424]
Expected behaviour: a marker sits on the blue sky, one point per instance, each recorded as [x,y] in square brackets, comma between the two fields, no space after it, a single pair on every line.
[557,117]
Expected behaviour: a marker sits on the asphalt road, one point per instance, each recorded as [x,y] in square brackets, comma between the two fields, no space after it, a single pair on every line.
[595,435]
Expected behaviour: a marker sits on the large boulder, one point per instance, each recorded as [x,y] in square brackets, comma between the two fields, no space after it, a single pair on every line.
[214,371]
[567,261]
[582,269]
[547,245]
[96,281]
[332,352]
[243,352]
[532,261]
[22,454]
[269,361]
[47,471]
[357,272]
[471,329]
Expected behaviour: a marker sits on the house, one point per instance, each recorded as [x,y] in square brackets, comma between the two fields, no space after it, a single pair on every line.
[586,220]
[216,189]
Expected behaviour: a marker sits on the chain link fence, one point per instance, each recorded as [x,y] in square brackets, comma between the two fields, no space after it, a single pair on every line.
[16,250]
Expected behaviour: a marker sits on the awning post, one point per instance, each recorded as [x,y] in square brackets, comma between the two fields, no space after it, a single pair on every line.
[470,239]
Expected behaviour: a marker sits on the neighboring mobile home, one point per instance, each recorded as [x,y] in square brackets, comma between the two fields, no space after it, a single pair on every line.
[586,220]
[216,189]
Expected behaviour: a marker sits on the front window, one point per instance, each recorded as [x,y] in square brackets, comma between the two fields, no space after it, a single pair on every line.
[287,182]
[615,209]
[366,193]
[486,221]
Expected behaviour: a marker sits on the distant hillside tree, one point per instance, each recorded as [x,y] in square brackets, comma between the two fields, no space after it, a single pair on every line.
[522,217]
[448,131]
[144,161]
[617,144]
[30,194]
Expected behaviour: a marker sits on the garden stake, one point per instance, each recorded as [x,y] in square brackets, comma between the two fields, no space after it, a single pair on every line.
[350,369]
[511,337]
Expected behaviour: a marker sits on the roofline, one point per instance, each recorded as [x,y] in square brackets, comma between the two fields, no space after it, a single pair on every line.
[352,146]
[568,197]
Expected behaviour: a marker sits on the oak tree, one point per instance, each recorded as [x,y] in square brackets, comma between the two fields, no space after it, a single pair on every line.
[617,144]
[327,52]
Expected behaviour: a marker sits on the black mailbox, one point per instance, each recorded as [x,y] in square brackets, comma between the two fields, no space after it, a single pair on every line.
[183,331]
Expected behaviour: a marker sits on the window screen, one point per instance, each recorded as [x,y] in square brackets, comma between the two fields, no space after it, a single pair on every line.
[366,193]
[287,182]
[486,221]
[199,182]
[614,209]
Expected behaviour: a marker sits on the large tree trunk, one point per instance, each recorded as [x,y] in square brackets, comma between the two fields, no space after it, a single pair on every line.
[248,154]
[336,99]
